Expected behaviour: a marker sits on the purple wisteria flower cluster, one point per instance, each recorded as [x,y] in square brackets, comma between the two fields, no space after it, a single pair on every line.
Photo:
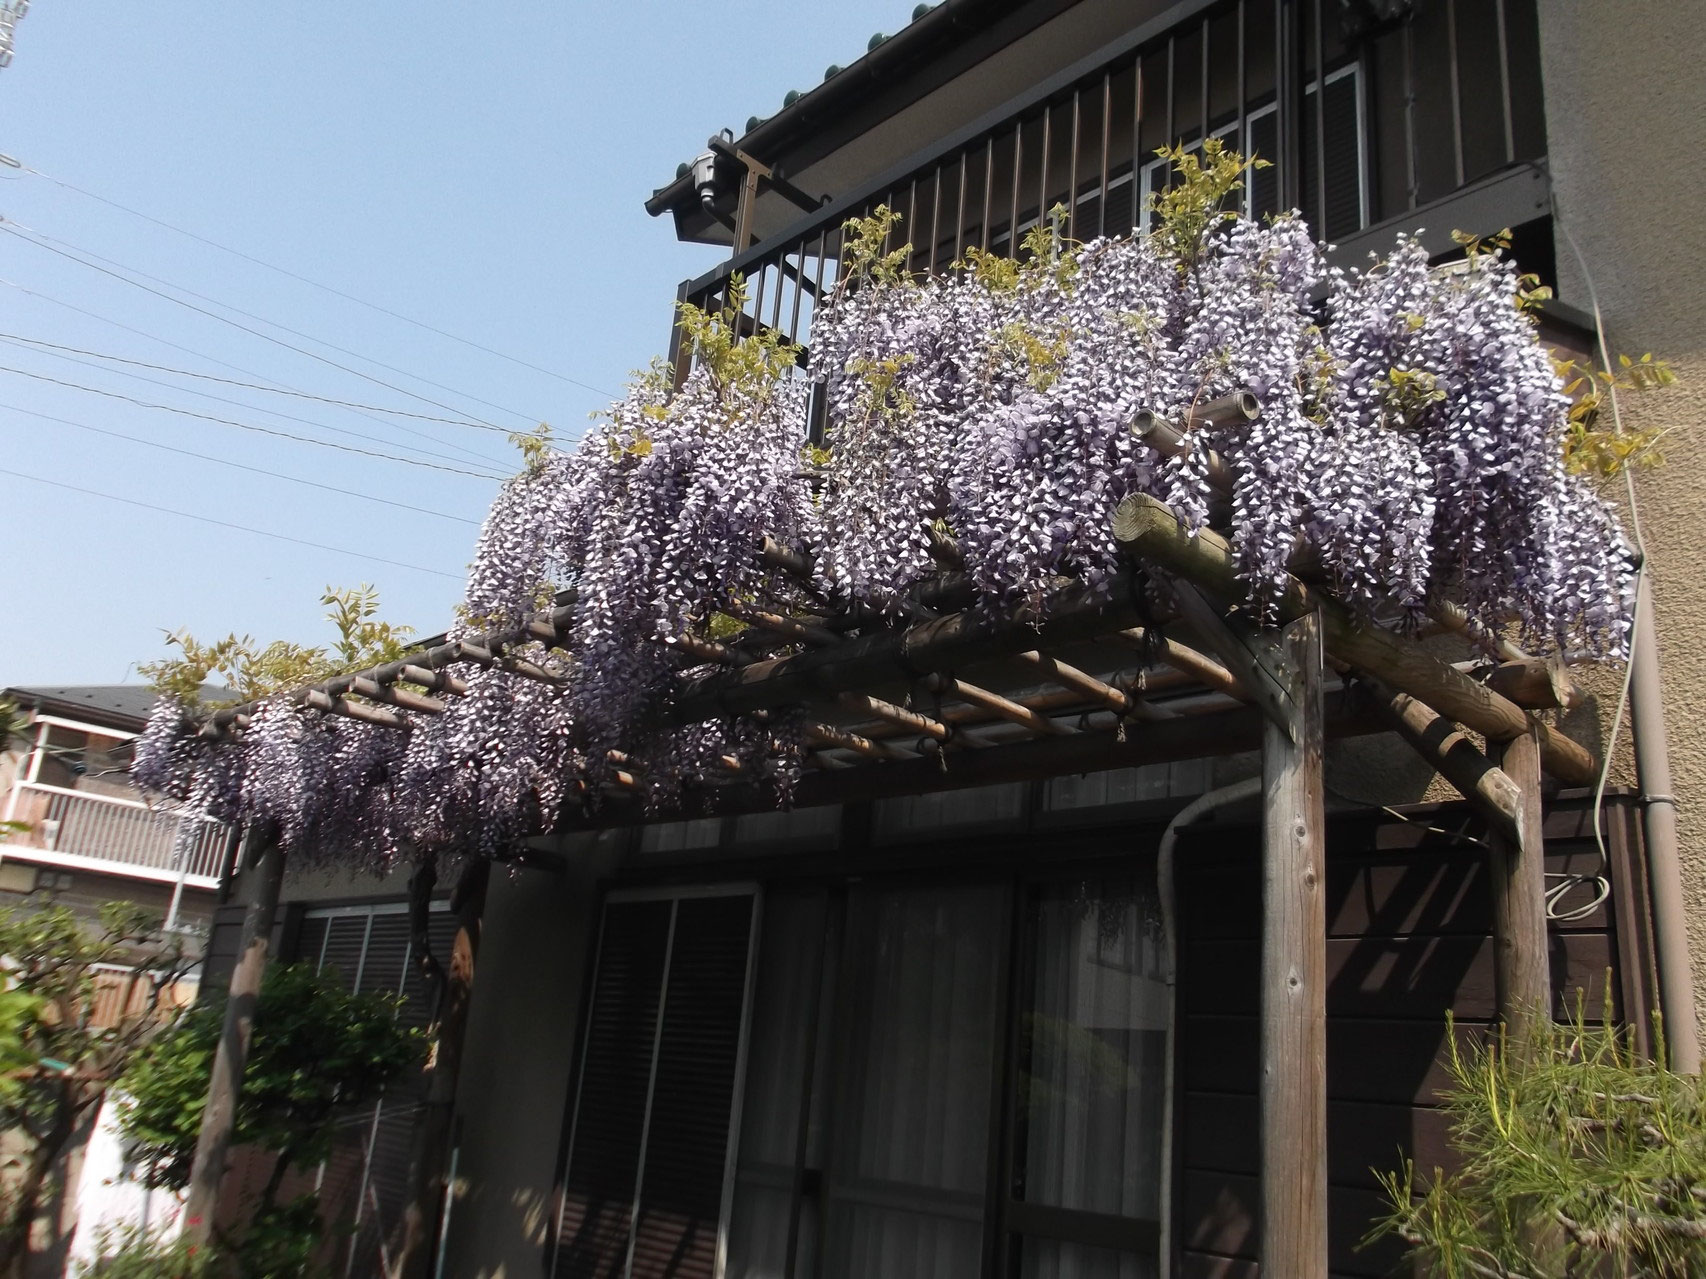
[1409,441]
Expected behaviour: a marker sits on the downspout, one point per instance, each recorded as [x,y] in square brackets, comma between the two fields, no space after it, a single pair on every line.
[1166,889]
[1664,868]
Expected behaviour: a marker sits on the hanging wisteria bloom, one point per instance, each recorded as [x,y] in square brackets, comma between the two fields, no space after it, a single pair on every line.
[1408,445]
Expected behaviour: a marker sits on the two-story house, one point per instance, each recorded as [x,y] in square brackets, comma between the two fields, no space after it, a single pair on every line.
[80,833]
[926,1031]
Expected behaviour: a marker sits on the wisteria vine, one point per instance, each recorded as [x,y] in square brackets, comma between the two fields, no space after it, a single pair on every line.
[1410,436]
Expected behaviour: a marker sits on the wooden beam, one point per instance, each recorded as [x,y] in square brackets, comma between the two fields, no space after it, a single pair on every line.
[1240,650]
[1534,683]
[1294,966]
[265,876]
[1150,531]
[1521,964]
[1487,787]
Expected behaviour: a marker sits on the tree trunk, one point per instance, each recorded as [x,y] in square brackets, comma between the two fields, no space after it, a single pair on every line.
[415,1237]
[20,1220]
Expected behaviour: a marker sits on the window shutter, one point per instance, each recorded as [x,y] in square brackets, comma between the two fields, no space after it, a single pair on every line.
[649,1128]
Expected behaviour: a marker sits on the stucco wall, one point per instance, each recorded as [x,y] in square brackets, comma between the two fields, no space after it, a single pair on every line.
[1626,112]
[521,1035]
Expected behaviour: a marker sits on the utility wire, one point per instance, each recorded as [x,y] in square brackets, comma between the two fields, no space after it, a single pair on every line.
[43,241]
[278,413]
[224,364]
[249,426]
[241,466]
[326,288]
[241,528]
[250,386]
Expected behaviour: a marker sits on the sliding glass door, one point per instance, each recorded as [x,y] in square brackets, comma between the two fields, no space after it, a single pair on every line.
[953,1079]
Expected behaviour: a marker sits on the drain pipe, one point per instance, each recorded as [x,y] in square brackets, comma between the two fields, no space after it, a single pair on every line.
[1166,889]
[1652,767]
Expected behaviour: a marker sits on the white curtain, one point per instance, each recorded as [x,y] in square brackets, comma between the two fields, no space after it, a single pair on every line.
[789,959]
[1092,1095]
[911,1149]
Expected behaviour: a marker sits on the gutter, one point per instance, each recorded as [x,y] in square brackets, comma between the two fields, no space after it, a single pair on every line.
[1664,867]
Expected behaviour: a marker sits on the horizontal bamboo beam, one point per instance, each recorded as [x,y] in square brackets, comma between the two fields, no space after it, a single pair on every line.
[1186,660]
[1230,731]
[391,695]
[1152,532]
[1002,707]
[374,715]
[912,721]
[954,640]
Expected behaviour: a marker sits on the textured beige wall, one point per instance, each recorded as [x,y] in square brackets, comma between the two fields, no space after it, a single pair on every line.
[1626,113]
[521,1035]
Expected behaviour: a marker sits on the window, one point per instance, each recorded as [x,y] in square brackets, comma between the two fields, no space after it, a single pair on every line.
[643,1183]
[953,1079]
[365,1179]
[1341,124]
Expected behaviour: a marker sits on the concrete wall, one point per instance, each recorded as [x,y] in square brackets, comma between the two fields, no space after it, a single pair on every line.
[1626,112]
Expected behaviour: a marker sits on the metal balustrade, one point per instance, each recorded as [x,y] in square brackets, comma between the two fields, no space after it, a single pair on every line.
[1368,114]
[87,830]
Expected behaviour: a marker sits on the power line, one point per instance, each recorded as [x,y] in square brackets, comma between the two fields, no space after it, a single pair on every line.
[43,241]
[278,413]
[251,386]
[247,426]
[241,528]
[241,466]
[303,279]
[224,364]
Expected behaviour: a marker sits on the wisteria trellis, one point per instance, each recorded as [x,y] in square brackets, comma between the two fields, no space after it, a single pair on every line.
[1409,432]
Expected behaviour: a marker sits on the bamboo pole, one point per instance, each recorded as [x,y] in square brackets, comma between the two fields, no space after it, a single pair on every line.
[1150,531]
[1522,972]
[219,1113]
[1487,787]
[1294,966]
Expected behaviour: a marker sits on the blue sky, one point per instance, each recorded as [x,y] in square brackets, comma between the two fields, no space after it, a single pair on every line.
[480,169]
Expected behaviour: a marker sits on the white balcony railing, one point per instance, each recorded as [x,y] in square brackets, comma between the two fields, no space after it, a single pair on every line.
[86,830]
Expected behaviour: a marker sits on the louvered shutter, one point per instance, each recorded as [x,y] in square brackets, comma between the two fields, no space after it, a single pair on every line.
[365,1179]
[1341,126]
[658,1076]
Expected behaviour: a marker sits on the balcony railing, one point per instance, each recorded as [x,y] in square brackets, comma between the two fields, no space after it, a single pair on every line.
[85,830]
[1375,117]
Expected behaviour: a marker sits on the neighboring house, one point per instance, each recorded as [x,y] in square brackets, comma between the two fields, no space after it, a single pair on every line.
[85,834]
[929,1034]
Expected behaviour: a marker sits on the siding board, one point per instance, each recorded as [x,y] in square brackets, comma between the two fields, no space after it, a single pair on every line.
[1409,922]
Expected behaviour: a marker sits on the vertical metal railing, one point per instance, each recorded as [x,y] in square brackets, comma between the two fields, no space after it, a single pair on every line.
[127,832]
[1361,124]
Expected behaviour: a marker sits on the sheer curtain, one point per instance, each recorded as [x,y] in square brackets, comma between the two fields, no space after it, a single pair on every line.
[910,1159]
[1091,1101]
[790,960]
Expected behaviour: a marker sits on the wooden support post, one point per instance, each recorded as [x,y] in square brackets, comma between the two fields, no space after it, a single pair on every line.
[219,1115]
[1522,971]
[414,1239]
[1294,966]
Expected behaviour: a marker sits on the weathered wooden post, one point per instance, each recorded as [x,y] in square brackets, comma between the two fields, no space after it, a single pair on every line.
[1517,871]
[219,1115]
[1294,965]
[415,1238]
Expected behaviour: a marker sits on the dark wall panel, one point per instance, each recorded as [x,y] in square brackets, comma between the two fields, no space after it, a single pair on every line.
[1409,919]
